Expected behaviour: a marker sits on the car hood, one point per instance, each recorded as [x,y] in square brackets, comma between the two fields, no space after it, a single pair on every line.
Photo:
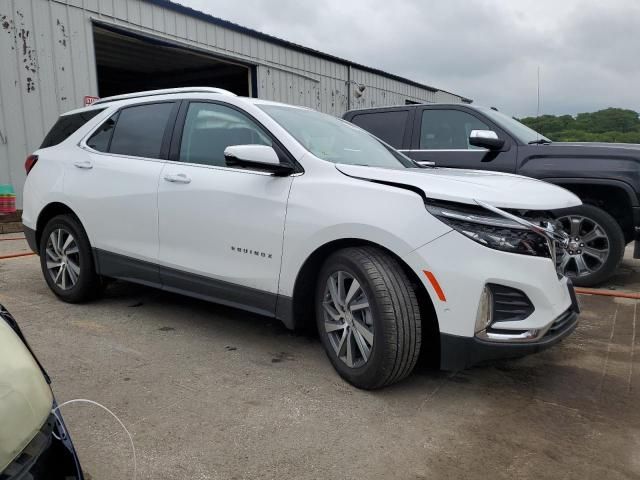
[587,149]
[610,146]
[501,190]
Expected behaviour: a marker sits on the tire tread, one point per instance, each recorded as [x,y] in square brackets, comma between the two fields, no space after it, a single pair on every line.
[399,309]
[89,284]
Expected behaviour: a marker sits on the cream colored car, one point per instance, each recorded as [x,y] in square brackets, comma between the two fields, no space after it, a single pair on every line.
[34,443]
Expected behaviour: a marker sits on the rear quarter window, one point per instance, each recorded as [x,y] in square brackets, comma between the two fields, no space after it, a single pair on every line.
[101,138]
[387,126]
[66,126]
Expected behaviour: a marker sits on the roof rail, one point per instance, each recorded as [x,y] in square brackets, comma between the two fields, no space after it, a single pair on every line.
[164,91]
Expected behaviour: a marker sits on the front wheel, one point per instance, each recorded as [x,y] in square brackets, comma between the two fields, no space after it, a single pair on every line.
[596,245]
[368,317]
[66,260]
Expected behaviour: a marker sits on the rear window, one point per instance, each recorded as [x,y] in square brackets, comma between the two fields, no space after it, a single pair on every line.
[387,126]
[139,130]
[66,126]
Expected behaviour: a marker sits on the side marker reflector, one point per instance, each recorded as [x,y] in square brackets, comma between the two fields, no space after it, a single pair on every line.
[435,285]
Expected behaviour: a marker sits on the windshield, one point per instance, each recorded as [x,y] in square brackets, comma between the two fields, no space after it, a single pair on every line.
[335,140]
[519,130]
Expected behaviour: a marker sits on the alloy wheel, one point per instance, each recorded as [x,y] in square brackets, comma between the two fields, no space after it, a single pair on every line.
[348,319]
[63,259]
[588,247]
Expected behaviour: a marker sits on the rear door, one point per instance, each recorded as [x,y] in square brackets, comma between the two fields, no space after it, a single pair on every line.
[221,228]
[441,138]
[391,125]
[113,186]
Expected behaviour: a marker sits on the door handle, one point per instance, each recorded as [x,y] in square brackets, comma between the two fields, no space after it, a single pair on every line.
[177,178]
[85,164]
[427,163]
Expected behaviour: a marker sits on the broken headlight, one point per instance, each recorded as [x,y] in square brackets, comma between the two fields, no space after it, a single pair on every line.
[491,230]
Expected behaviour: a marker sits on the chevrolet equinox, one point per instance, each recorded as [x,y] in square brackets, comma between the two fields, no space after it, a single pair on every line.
[294,214]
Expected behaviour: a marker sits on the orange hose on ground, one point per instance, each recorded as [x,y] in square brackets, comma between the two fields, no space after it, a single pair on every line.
[16,255]
[608,293]
[7,239]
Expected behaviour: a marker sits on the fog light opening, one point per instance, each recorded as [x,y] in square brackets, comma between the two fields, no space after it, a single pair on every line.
[484,316]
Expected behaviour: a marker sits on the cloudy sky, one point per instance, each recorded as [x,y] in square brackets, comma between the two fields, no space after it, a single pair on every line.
[588,51]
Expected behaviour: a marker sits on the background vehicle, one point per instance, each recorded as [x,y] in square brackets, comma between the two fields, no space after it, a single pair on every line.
[295,214]
[606,177]
[34,443]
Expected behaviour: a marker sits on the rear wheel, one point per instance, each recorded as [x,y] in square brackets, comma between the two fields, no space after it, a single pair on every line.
[66,260]
[596,245]
[368,317]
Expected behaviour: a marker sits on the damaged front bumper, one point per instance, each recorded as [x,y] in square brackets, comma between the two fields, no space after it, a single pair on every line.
[458,353]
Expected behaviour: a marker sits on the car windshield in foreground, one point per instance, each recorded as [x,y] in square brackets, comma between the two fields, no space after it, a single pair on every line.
[521,131]
[335,140]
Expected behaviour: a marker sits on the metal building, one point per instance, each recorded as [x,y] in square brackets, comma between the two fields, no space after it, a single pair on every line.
[55,55]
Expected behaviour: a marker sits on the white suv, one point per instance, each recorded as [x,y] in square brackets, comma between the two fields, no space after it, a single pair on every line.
[298,215]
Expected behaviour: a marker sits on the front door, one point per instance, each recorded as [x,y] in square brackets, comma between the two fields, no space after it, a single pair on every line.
[441,138]
[220,228]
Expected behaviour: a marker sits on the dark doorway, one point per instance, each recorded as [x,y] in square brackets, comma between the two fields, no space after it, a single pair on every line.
[127,62]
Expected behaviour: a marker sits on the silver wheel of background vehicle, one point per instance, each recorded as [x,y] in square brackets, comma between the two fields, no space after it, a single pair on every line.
[588,248]
[348,319]
[63,258]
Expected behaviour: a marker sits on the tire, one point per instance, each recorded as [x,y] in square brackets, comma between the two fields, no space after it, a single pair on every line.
[605,250]
[77,259]
[392,322]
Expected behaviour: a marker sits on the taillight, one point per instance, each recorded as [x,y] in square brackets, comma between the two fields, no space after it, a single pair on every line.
[30,162]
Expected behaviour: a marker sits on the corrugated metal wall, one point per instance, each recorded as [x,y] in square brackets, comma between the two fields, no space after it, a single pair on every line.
[383,91]
[322,87]
[47,66]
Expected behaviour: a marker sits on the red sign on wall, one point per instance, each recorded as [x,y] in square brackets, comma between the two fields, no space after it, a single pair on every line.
[88,100]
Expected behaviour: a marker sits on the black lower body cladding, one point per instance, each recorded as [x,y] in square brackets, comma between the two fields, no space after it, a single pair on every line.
[458,353]
[30,236]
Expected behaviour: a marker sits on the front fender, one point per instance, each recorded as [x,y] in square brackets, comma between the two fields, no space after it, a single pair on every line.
[634,198]
[321,212]
[585,164]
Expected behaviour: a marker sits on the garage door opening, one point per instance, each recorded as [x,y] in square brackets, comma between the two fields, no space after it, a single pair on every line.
[128,63]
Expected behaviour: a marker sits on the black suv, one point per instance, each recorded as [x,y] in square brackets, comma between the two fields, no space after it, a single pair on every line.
[605,176]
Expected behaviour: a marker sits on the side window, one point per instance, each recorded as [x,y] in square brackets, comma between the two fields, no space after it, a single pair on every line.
[100,139]
[387,126]
[209,128]
[139,130]
[448,129]
[67,125]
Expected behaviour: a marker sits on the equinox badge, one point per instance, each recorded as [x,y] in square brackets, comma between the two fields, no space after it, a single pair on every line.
[248,251]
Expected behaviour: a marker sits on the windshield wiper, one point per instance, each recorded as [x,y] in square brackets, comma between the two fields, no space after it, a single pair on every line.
[541,141]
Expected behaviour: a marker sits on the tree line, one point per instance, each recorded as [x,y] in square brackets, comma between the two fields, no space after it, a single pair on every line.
[608,125]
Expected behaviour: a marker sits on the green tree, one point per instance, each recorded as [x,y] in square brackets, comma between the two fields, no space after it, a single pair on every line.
[608,125]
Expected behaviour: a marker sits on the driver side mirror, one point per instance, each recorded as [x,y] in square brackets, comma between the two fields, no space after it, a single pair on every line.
[261,157]
[486,139]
